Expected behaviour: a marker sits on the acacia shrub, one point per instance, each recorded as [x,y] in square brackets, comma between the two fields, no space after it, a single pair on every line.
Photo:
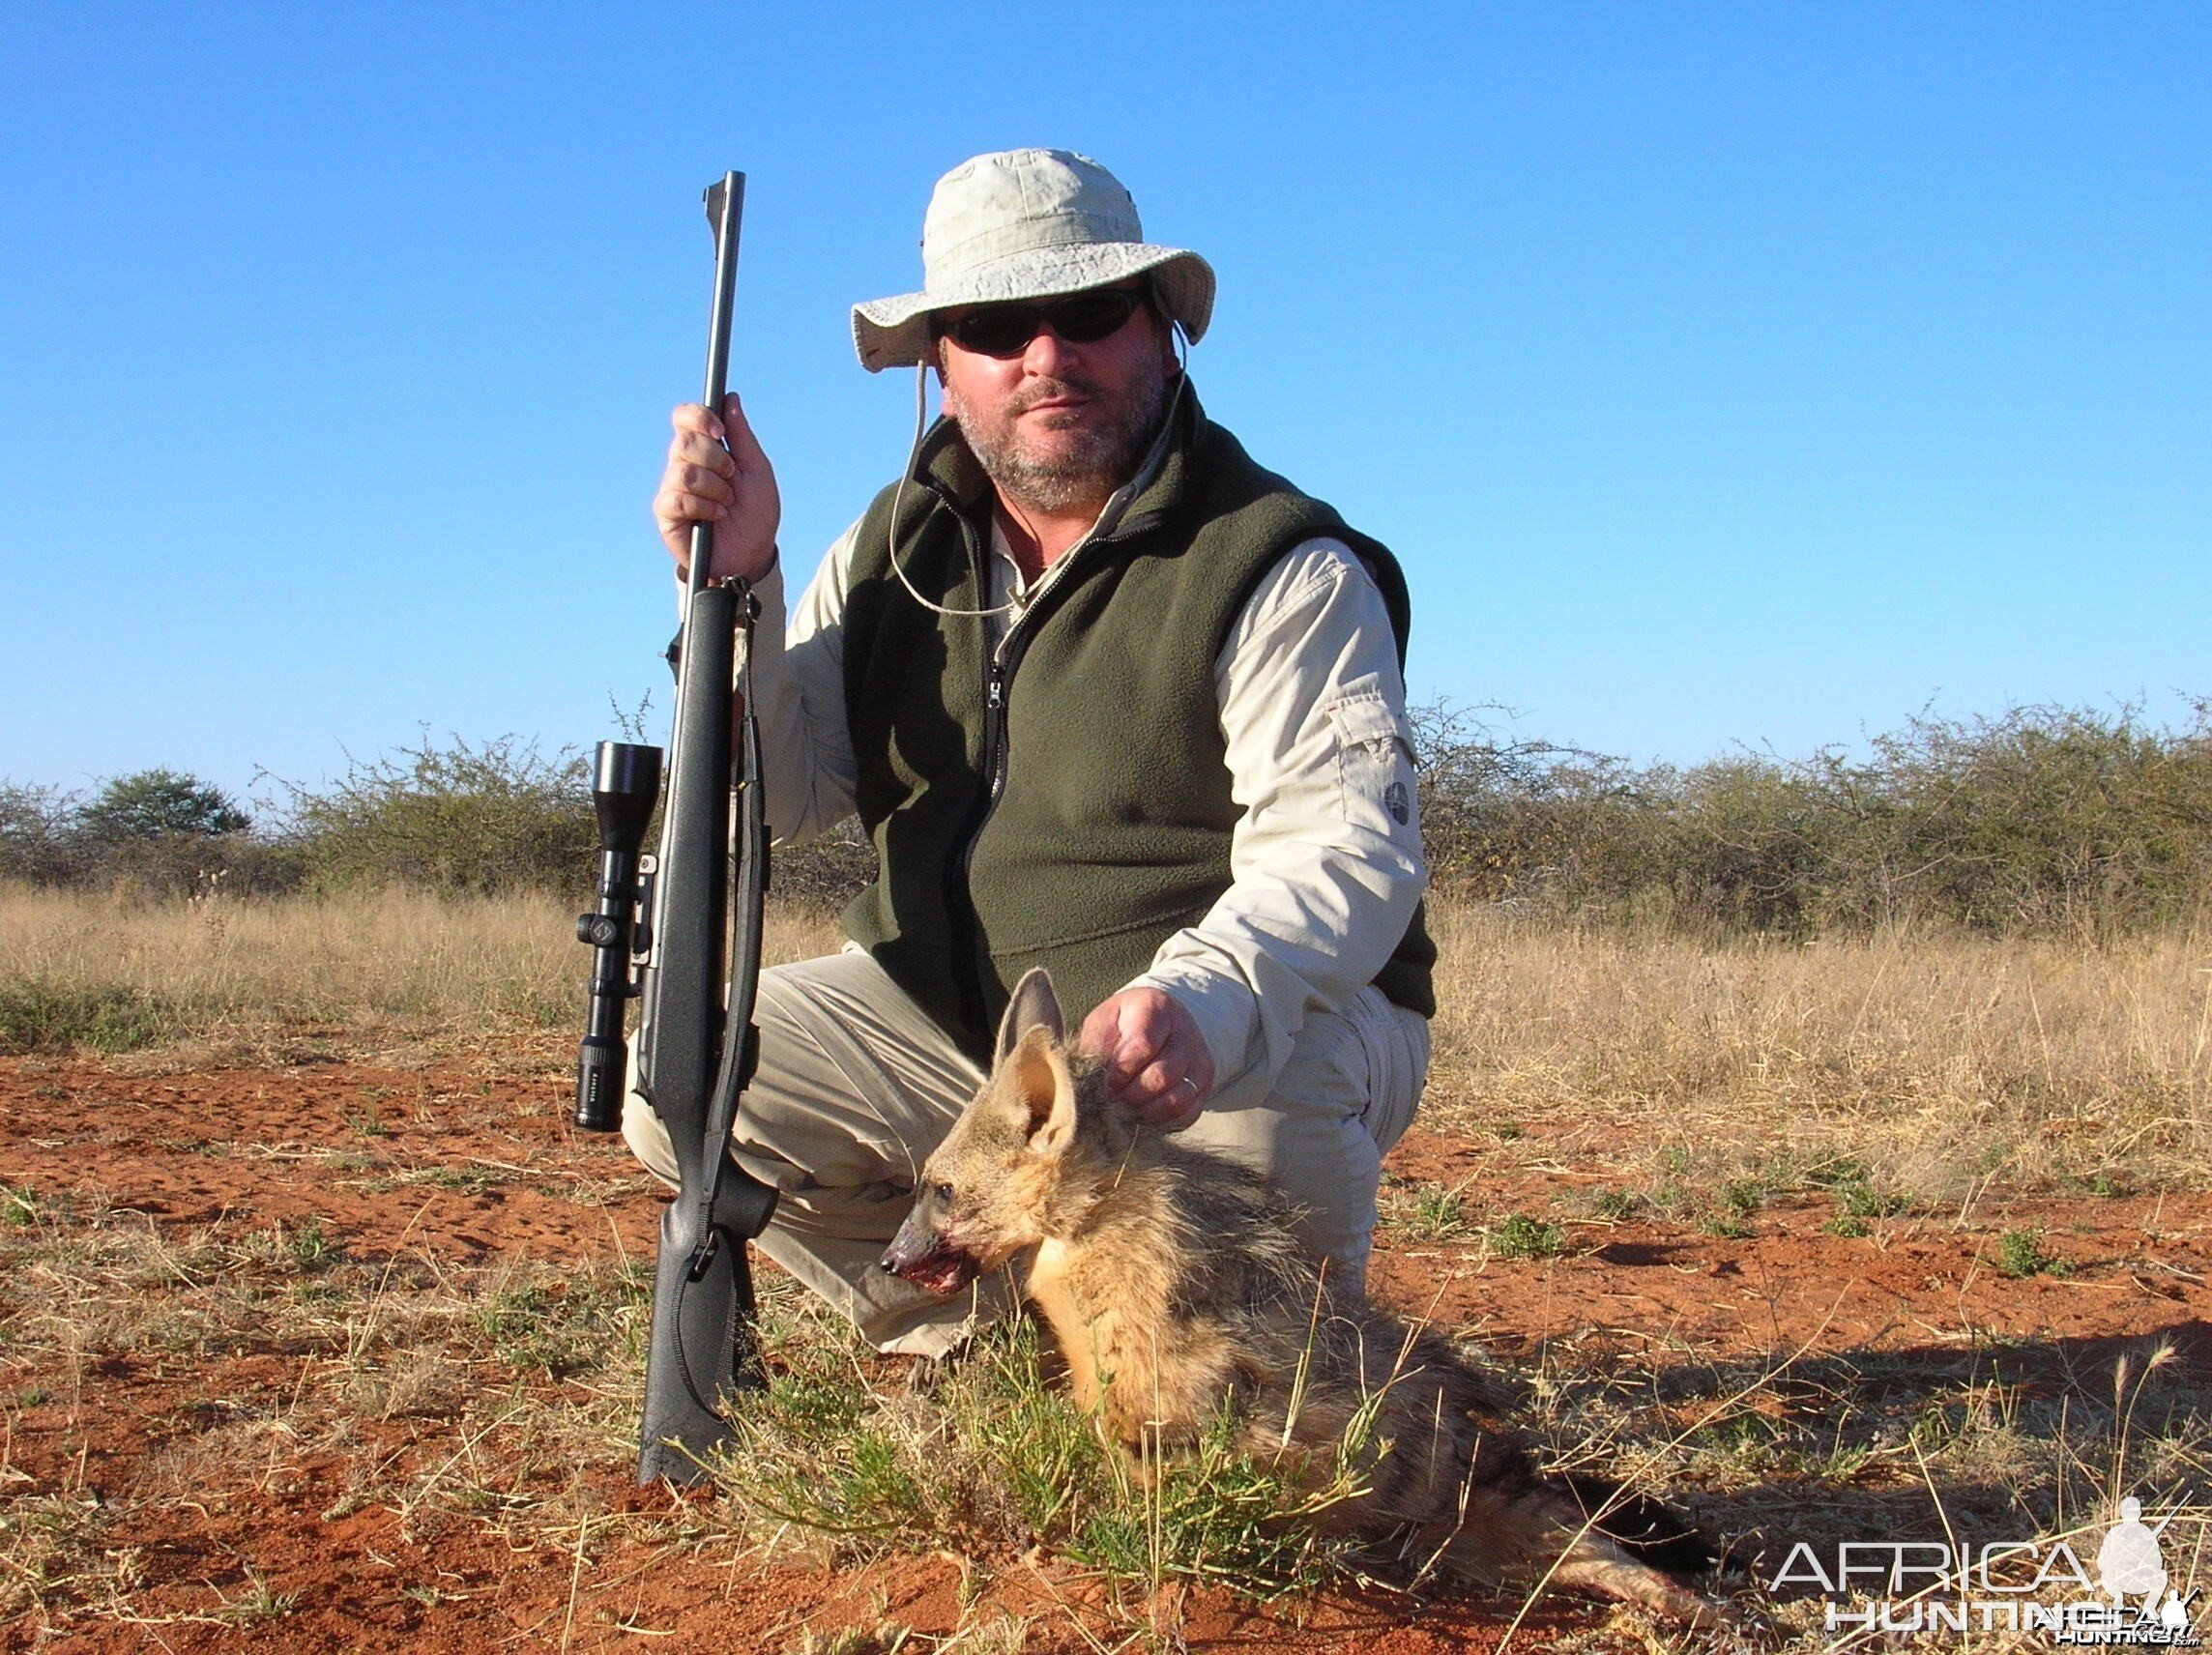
[459,819]
[2044,818]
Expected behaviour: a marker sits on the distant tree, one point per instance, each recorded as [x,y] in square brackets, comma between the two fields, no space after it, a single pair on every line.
[159,805]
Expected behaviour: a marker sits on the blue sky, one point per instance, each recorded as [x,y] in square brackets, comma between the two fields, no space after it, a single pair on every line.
[1721,373]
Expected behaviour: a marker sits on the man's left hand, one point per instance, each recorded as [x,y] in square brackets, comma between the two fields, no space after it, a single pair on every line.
[1157,1060]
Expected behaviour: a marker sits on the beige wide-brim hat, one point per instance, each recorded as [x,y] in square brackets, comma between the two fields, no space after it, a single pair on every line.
[1027,224]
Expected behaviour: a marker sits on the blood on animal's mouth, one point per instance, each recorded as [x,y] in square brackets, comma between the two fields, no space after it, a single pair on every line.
[940,1271]
[945,1273]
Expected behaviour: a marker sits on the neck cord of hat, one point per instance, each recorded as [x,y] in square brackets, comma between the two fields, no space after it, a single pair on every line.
[898,497]
[914,454]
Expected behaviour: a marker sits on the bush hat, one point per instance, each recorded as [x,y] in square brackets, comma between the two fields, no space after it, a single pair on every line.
[1027,224]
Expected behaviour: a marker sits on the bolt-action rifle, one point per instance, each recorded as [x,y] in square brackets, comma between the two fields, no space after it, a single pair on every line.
[681,932]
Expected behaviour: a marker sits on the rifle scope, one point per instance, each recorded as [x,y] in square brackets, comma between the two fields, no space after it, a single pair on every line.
[625,785]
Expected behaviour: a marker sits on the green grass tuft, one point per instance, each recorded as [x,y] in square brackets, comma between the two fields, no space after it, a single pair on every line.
[1423,1211]
[540,1327]
[2020,1255]
[1516,1236]
[994,1460]
[47,1015]
[1862,1200]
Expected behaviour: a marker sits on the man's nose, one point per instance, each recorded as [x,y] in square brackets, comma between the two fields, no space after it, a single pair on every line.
[1048,353]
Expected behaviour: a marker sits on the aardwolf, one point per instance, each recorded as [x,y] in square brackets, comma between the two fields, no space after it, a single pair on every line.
[1175,1287]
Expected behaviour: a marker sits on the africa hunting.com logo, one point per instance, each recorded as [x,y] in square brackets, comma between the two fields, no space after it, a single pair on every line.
[2006,1585]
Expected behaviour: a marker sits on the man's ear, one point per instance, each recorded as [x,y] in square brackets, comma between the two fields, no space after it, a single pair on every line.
[1033,1005]
[1034,1082]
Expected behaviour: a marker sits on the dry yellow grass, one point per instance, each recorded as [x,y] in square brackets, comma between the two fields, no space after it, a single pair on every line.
[1940,1057]
[232,969]
[1937,1056]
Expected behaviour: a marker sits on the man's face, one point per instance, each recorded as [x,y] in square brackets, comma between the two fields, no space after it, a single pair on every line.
[1060,425]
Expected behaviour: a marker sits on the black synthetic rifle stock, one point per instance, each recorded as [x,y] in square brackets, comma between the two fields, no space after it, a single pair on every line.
[697,1045]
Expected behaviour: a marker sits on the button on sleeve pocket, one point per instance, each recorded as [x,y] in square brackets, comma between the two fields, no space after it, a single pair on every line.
[1374,762]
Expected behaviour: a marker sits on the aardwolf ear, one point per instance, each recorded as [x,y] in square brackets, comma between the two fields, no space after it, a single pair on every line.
[1033,1085]
[1034,1007]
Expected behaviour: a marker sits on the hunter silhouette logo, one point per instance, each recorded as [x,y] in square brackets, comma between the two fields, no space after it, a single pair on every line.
[2129,1565]
[2006,1585]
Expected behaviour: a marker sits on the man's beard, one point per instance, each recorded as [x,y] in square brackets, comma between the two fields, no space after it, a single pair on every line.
[1102,456]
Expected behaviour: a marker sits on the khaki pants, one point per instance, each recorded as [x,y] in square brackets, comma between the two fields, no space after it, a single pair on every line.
[856,1085]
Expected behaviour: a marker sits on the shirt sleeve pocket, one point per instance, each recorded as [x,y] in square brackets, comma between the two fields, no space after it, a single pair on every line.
[1374,760]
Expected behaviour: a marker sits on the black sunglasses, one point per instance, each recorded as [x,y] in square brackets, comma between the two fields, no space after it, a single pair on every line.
[1081,319]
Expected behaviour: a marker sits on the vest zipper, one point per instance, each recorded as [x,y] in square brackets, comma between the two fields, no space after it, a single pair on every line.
[998,680]
[995,679]
[998,674]
[998,669]
[960,902]
[994,737]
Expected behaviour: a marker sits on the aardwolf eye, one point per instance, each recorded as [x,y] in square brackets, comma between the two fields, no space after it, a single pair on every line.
[943,1192]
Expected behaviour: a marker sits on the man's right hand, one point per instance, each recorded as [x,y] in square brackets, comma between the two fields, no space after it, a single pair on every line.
[716,473]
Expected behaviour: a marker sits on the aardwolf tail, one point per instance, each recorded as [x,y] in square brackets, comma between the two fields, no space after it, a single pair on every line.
[1646,1529]
[1537,1529]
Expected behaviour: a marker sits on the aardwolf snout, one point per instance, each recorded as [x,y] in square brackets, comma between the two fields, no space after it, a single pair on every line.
[986,1191]
[920,1254]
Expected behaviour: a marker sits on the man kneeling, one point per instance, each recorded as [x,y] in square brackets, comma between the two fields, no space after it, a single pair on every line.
[1109,699]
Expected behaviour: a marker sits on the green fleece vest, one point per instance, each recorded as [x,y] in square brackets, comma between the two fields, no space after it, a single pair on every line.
[1069,808]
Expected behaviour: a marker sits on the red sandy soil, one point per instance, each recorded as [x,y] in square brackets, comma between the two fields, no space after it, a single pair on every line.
[192,1146]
